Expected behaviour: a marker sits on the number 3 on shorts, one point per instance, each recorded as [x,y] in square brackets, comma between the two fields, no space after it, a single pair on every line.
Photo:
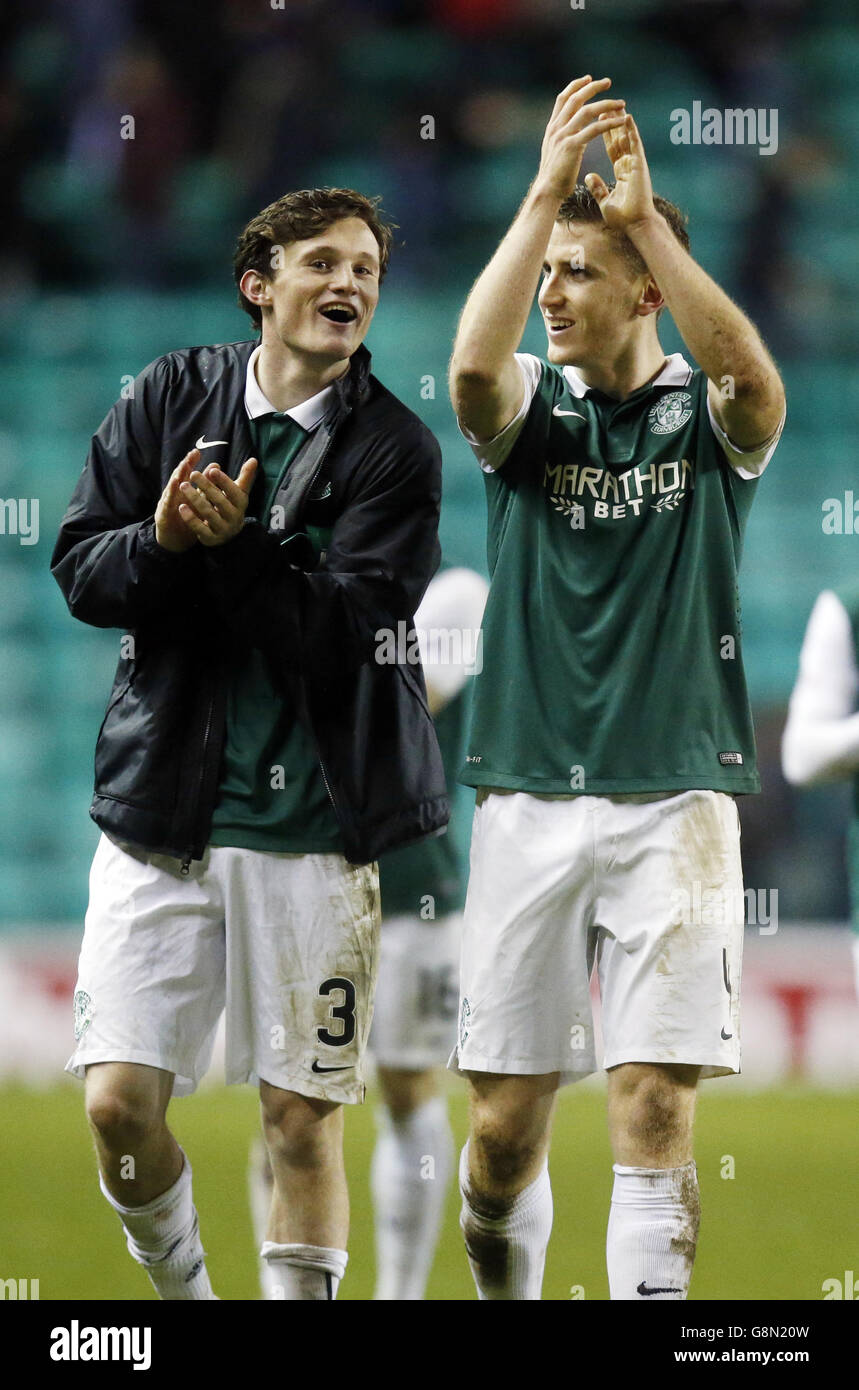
[344,1011]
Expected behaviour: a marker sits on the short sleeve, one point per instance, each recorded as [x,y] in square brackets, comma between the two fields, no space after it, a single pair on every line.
[747,463]
[821,737]
[492,453]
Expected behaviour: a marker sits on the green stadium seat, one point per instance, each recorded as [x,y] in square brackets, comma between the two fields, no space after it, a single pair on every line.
[829,57]
[359,170]
[489,187]
[55,327]
[62,194]
[833,252]
[36,396]
[595,48]
[397,60]
[84,663]
[25,748]
[21,676]
[206,201]
[20,607]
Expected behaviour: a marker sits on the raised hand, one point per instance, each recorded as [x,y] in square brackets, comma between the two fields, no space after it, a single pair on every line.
[171,531]
[214,505]
[631,199]
[574,122]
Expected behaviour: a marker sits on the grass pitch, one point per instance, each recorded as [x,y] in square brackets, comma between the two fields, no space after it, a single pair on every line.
[782,1224]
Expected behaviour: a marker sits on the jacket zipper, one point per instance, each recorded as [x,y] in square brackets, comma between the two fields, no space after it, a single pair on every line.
[325,779]
[317,470]
[189,854]
[185,867]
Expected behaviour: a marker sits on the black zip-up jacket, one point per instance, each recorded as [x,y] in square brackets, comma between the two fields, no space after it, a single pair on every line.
[371,471]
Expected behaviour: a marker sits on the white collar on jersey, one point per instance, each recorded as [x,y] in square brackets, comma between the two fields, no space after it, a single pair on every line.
[676,372]
[307,414]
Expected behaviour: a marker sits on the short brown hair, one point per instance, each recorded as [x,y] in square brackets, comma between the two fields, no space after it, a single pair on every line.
[582,206]
[298,216]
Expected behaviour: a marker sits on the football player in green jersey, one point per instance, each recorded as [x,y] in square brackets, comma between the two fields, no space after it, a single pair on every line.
[611,727]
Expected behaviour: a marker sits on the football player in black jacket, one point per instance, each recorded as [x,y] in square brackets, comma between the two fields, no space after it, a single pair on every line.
[254,518]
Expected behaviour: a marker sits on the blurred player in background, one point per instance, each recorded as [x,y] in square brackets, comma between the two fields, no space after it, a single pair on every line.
[256,756]
[821,737]
[611,727]
[414,1023]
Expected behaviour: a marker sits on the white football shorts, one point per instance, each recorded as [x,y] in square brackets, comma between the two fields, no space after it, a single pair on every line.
[417,995]
[286,944]
[647,887]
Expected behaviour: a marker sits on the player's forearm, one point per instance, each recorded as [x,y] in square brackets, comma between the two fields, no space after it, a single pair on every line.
[498,306]
[120,578]
[723,341]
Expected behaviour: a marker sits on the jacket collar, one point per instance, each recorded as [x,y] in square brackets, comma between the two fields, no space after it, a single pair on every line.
[348,391]
[354,385]
[337,398]
[307,414]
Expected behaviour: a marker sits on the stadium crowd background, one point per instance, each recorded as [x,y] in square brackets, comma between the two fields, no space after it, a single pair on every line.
[114,251]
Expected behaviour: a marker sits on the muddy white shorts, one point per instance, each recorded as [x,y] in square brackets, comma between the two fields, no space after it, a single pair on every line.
[417,995]
[647,887]
[285,944]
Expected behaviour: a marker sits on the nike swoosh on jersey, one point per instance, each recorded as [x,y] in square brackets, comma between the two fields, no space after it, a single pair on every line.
[558,411]
[646,1292]
[726,1036]
[204,443]
[316,1067]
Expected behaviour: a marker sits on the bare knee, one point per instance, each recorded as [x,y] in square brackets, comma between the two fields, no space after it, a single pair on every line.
[126,1104]
[651,1113]
[299,1130]
[509,1138]
[502,1155]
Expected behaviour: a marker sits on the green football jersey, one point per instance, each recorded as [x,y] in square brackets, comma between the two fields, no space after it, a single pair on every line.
[272,794]
[612,652]
[849,596]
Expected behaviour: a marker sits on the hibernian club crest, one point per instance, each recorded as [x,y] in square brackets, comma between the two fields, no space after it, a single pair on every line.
[464,1016]
[83,1012]
[670,413]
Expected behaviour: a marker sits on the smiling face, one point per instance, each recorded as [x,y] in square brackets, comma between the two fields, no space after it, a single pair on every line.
[590,296]
[321,297]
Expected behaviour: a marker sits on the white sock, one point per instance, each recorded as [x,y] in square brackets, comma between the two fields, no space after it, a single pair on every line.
[304,1271]
[411,1168]
[507,1250]
[164,1237]
[652,1232]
